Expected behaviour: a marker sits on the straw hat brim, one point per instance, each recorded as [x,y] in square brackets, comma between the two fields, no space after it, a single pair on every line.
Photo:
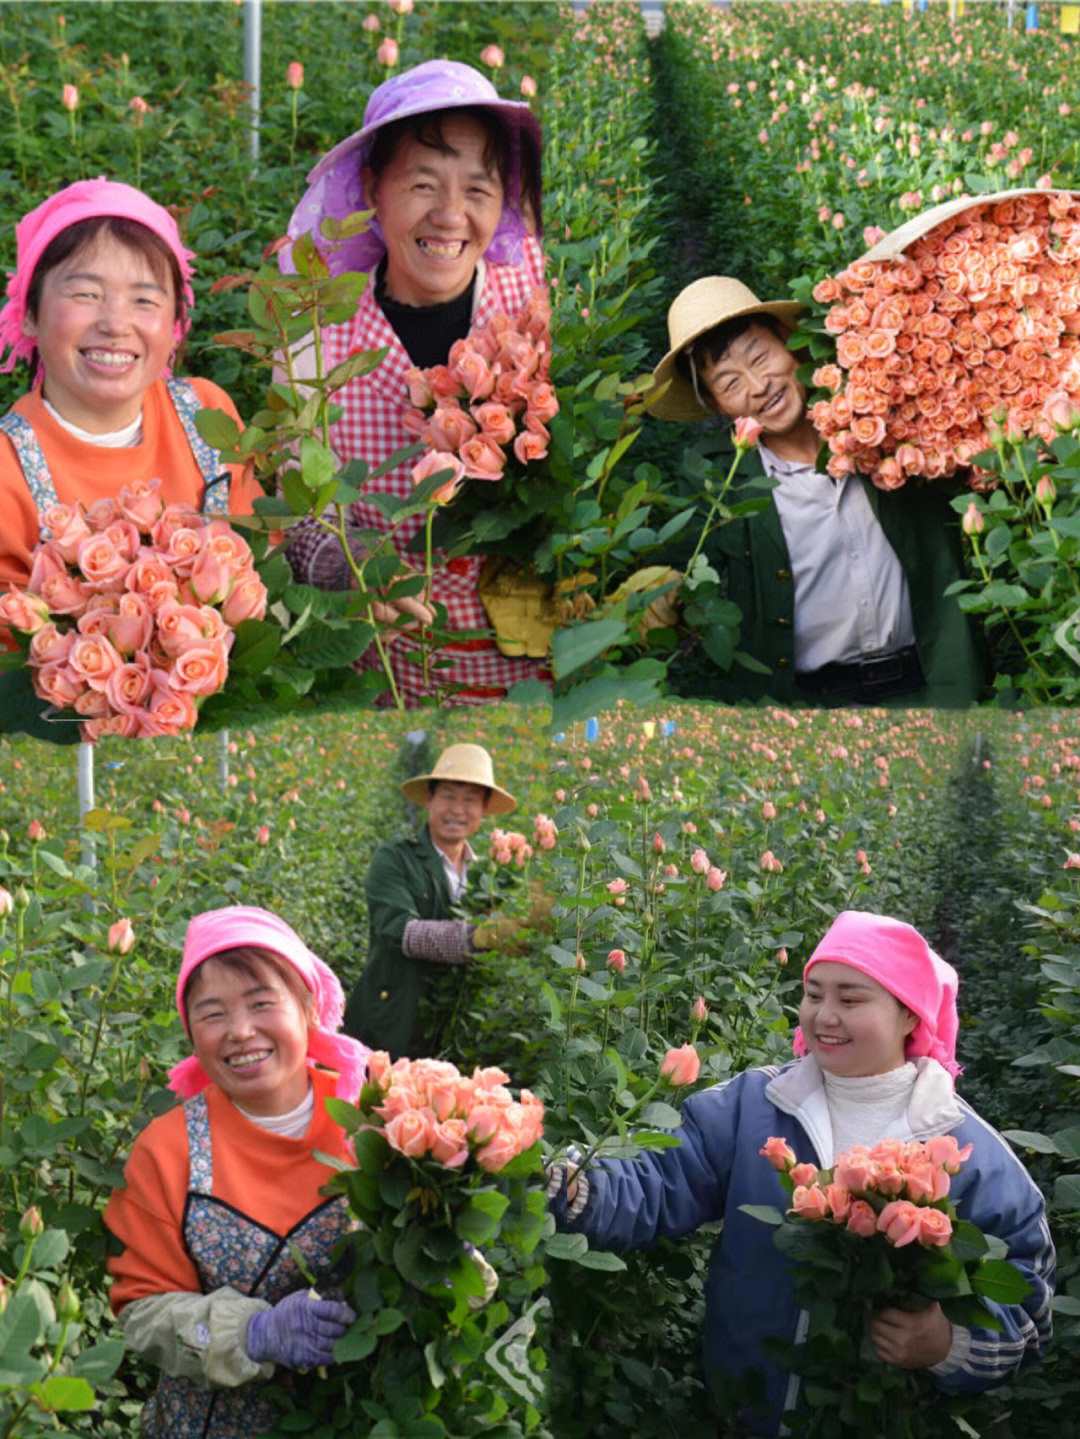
[500,801]
[893,245]
[461,764]
[678,401]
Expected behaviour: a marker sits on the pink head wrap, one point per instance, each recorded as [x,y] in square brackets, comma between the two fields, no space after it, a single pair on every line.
[240,924]
[85,200]
[900,960]
[334,185]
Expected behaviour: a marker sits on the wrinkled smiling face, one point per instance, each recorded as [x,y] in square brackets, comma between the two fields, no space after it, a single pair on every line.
[104,333]
[455,811]
[755,377]
[852,1025]
[438,212]
[250,1035]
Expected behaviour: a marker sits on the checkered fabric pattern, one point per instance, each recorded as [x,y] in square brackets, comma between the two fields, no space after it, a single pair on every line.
[370,428]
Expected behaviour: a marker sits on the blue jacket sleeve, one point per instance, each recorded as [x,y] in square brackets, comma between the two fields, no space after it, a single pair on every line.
[664,1193]
[995,1192]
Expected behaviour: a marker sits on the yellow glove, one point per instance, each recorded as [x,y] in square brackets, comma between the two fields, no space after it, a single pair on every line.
[540,906]
[501,932]
[664,610]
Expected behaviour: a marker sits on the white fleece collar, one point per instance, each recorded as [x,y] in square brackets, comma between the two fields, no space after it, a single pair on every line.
[800,1090]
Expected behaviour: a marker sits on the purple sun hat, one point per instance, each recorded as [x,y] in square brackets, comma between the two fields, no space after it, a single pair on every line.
[334,185]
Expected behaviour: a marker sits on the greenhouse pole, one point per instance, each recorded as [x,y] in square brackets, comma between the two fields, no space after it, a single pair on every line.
[223,758]
[253,66]
[84,785]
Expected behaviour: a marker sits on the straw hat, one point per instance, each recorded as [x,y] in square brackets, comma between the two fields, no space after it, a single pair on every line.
[893,245]
[464,764]
[702,306]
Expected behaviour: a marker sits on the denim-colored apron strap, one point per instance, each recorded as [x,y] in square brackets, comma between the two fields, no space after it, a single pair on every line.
[20,432]
[215,476]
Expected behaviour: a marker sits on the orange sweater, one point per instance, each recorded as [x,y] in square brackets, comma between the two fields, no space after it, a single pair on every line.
[85,472]
[269,1178]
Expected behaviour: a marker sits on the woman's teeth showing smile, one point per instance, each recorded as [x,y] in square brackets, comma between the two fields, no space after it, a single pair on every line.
[249,1058]
[442,249]
[111,359]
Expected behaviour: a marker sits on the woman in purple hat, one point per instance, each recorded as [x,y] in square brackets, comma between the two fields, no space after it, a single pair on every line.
[452,174]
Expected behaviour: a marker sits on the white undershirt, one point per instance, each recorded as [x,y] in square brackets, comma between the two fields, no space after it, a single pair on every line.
[293,1125]
[117,440]
[869,1108]
[851,595]
[457,878]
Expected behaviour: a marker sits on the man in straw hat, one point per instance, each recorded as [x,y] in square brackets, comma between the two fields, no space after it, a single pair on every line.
[411,886]
[841,586]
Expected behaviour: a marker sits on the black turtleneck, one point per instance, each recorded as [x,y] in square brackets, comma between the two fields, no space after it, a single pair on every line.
[426,331]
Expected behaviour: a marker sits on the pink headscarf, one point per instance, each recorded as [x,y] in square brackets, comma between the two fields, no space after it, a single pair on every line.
[240,924]
[900,960]
[85,200]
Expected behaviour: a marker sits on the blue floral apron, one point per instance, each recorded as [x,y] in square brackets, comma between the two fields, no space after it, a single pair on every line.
[20,432]
[228,1248]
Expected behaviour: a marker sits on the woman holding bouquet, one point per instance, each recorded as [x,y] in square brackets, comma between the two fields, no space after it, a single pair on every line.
[98,303]
[222,1219]
[876,1041]
[452,174]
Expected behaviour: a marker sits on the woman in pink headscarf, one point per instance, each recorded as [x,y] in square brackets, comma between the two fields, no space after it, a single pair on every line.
[452,174]
[97,305]
[222,1193]
[877,1060]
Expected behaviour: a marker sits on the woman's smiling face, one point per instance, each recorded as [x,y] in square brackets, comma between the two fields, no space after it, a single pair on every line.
[250,1035]
[439,211]
[852,1025]
[104,330]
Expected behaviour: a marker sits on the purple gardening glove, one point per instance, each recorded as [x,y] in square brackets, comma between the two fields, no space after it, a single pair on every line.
[298,1332]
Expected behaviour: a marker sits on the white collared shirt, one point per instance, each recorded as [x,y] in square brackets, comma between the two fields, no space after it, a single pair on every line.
[456,878]
[851,594]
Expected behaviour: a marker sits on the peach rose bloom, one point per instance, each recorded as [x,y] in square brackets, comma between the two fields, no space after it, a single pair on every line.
[128,685]
[809,1202]
[142,504]
[48,646]
[201,669]
[20,611]
[530,445]
[95,659]
[444,383]
[67,529]
[411,1132]
[246,601]
[101,562]
[58,684]
[449,428]
[483,459]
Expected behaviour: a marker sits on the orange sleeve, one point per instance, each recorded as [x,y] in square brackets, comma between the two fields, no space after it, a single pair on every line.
[147,1216]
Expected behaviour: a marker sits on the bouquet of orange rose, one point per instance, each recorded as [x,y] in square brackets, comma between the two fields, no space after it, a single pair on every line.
[129,612]
[961,328]
[441,1269]
[875,1231]
[490,398]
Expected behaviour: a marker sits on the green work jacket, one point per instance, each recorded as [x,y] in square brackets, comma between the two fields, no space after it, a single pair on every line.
[752,557]
[406,880]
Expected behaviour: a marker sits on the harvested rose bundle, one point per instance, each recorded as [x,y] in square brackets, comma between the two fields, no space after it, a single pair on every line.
[962,325]
[894,1188]
[428,1109]
[492,396]
[130,608]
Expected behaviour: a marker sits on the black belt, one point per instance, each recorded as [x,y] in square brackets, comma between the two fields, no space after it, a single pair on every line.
[874,678]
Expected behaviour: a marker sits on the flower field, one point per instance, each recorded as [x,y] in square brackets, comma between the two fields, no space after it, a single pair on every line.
[692,855]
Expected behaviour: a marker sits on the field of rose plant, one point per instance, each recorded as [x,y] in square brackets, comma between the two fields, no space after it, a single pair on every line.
[693,854]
